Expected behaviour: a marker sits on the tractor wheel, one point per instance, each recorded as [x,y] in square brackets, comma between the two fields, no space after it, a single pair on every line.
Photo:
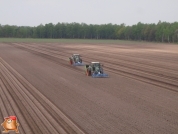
[88,73]
[70,61]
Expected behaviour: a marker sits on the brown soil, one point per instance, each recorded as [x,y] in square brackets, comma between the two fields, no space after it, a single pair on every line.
[50,96]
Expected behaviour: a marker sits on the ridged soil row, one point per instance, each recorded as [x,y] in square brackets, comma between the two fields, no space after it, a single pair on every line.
[48,55]
[36,114]
[156,76]
[144,59]
[135,64]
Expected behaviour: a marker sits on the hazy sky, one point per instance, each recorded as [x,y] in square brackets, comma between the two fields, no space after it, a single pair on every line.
[36,12]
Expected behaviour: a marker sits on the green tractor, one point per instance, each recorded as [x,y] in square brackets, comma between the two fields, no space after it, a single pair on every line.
[95,70]
[76,60]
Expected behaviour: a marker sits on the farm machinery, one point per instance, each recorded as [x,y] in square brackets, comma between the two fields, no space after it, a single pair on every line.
[95,70]
[76,60]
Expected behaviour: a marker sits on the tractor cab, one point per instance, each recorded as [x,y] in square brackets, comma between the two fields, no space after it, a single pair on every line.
[95,64]
[76,56]
[96,67]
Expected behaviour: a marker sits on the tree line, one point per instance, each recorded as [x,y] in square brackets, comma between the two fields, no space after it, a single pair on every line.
[160,32]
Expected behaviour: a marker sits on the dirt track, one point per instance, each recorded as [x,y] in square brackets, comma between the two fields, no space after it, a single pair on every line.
[50,96]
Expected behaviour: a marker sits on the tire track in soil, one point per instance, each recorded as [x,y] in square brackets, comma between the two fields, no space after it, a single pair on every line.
[39,114]
[135,73]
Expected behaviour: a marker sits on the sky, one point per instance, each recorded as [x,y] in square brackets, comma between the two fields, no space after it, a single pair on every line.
[129,12]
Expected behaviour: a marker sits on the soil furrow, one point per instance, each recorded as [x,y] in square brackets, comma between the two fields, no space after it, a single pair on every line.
[140,95]
[54,116]
[151,77]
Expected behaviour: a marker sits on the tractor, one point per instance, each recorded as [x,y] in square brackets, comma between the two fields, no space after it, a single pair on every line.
[95,70]
[75,60]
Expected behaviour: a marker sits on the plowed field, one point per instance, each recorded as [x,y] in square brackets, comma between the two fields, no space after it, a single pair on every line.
[48,95]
